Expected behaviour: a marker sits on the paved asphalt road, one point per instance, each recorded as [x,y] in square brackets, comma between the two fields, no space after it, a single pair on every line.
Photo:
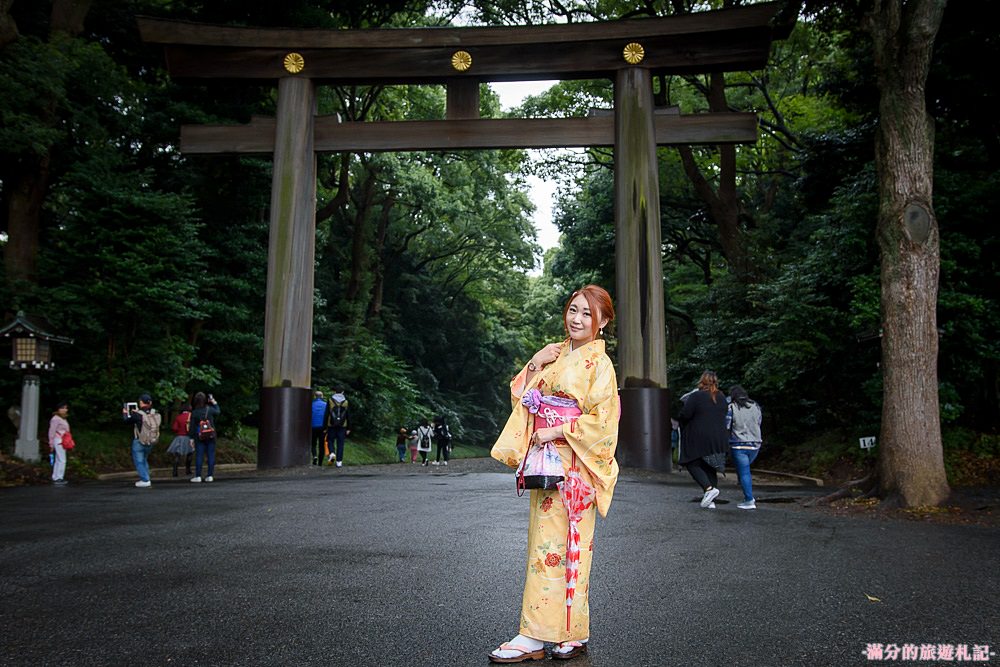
[398,565]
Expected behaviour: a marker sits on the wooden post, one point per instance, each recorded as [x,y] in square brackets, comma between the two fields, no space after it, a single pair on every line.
[462,99]
[644,435]
[285,392]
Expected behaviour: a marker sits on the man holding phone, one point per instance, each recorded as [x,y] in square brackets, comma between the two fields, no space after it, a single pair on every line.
[145,423]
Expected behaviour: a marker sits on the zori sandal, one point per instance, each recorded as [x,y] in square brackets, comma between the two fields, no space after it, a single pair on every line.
[526,654]
[579,648]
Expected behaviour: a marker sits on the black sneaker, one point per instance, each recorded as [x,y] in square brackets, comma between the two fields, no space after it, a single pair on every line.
[60,482]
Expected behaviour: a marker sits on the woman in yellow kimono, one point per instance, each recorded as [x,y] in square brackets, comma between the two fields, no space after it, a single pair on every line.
[578,369]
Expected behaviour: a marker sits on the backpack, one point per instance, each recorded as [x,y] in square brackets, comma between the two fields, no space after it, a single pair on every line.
[441,433]
[338,414]
[149,431]
[424,442]
[205,430]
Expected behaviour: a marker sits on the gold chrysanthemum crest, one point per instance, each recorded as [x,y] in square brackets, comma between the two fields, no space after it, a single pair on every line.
[294,63]
[461,60]
[633,53]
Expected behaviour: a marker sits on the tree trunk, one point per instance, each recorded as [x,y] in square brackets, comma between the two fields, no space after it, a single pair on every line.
[24,211]
[375,309]
[359,236]
[723,202]
[31,184]
[68,15]
[911,463]
[8,26]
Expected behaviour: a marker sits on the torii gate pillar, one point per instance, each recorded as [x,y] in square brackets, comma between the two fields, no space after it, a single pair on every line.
[644,432]
[283,440]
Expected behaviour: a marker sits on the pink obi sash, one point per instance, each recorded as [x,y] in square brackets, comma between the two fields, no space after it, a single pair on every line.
[551,411]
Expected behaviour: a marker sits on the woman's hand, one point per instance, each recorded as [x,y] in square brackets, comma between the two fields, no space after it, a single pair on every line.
[546,355]
[547,435]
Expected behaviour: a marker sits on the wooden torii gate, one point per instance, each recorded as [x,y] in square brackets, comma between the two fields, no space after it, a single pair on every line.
[628,52]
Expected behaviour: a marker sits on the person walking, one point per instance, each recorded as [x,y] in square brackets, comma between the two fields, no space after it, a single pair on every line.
[339,424]
[567,395]
[442,438]
[181,445]
[744,418]
[204,410]
[401,439]
[425,435]
[414,442]
[145,423]
[320,414]
[704,437]
[58,435]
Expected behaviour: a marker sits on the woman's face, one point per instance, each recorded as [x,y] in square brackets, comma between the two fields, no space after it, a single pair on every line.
[580,321]
[63,411]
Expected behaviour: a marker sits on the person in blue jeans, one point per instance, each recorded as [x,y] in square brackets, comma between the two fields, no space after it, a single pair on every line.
[320,415]
[744,420]
[145,423]
[203,408]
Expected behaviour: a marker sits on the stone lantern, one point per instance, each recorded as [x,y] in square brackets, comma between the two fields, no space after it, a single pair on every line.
[31,352]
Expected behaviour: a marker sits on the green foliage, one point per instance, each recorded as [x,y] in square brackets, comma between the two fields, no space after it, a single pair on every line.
[155,262]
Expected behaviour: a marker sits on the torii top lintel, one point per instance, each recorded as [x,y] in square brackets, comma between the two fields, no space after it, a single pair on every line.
[721,40]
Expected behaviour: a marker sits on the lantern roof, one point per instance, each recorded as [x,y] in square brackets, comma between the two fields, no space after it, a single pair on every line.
[24,326]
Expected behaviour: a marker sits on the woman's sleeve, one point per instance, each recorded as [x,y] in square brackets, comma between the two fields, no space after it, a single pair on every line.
[517,386]
[687,410]
[594,435]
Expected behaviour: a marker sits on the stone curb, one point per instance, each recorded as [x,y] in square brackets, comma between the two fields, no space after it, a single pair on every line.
[166,473]
[815,481]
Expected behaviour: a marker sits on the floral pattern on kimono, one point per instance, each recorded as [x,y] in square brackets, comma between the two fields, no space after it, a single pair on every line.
[586,375]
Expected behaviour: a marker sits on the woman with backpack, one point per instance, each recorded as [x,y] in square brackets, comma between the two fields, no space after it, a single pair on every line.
[744,439]
[202,431]
[425,435]
[442,436]
[181,445]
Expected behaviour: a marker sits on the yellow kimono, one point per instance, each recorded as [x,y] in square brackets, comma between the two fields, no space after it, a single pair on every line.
[586,375]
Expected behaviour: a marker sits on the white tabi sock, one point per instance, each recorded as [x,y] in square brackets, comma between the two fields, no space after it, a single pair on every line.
[520,640]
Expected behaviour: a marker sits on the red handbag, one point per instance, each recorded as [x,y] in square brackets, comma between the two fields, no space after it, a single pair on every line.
[67,441]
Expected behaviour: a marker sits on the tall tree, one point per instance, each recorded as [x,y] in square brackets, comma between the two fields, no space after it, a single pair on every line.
[27,181]
[911,463]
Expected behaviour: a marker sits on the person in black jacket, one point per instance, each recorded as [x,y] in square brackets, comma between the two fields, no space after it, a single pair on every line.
[203,409]
[442,437]
[704,437]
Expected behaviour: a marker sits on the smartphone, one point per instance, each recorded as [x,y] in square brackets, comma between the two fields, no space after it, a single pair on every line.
[131,407]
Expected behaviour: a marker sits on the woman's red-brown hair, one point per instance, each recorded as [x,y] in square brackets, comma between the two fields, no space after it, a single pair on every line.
[709,382]
[599,302]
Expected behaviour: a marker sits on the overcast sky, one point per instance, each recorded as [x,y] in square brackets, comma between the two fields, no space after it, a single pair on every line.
[541,192]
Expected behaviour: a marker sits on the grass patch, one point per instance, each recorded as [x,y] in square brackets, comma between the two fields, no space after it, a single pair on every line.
[104,450]
[832,456]
[365,451]
[970,458]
